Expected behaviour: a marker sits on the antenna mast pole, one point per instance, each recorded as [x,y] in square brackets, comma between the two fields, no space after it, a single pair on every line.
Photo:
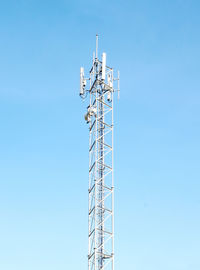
[99,116]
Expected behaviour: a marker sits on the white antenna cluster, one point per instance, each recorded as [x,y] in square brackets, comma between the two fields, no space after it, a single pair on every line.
[105,76]
[99,116]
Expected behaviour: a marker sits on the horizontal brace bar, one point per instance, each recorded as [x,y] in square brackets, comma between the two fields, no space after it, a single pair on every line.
[103,208]
[106,187]
[104,103]
[104,165]
[110,233]
[110,126]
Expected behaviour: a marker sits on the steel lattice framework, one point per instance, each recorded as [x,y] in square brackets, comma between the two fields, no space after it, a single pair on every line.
[101,181]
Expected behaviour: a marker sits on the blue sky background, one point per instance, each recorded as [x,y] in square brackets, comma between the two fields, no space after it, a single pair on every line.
[44,139]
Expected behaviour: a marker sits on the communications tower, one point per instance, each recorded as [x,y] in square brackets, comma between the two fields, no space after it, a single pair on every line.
[99,117]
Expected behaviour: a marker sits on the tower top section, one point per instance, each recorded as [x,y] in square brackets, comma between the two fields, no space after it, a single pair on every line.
[100,75]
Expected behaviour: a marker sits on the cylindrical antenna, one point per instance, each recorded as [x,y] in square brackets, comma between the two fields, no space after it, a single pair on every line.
[97,46]
[118,84]
[81,81]
[103,66]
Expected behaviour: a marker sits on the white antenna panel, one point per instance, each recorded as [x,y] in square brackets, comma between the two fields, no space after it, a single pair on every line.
[103,66]
[81,81]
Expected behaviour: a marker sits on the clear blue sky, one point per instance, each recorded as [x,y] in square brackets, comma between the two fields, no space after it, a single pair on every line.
[44,139]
